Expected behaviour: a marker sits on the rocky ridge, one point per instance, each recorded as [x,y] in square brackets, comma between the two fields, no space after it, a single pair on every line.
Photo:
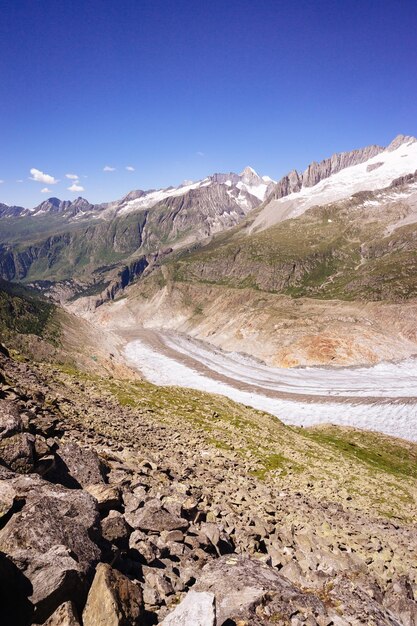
[128,504]
[315,172]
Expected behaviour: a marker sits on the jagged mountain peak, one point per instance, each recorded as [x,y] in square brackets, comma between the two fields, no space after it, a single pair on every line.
[399,140]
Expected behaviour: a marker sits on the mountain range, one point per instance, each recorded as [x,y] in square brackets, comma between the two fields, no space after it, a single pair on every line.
[126,502]
[63,240]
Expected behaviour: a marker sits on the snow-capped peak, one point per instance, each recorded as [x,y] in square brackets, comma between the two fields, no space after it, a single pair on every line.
[377,172]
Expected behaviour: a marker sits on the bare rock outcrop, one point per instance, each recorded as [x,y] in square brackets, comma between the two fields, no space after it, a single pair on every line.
[315,172]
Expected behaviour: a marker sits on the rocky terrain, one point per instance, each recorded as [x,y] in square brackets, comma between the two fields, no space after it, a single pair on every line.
[124,503]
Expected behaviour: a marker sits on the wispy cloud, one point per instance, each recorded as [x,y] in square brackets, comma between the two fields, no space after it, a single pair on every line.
[75,187]
[19,180]
[199,153]
[72,176]
[41,177]
[108,168]
[130,168]
[45,190]
[1,181]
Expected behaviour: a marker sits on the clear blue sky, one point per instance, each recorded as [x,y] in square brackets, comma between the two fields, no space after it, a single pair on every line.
[180,89]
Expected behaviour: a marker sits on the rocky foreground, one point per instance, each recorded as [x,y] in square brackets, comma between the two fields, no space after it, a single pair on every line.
[119,507]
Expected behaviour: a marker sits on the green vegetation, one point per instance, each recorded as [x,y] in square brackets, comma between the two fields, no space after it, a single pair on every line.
[380,453]
[338,251]
[23,311]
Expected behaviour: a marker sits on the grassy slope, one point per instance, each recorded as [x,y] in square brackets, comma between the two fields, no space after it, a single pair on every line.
[336,251]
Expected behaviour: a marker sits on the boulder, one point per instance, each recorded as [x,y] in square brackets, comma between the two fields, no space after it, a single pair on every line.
[115,529]
[7,498]
[18,452]
[77,467]
[240,585]
[107,496]
[113,600]
[153,517]
[197,609]
[65,615]
[10,421]
[50,541]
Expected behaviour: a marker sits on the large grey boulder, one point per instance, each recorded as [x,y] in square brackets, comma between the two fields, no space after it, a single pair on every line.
[197,609]
[154,517]
[50,540]
[113,600]
[77,467]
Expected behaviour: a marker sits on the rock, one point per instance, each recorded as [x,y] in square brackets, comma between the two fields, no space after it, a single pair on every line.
[115,529]
[399,599]
[153,517]
[197,609]
[65,615]
[50,541]
[107,496]
[241,584]
[113,600]
[7,498]
[77,467]
[18,452]
[10,421]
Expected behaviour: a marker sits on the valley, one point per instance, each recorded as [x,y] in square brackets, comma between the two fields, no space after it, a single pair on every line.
[209,387]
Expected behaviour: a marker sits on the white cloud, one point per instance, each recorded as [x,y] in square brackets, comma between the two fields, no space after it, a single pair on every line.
[41,177]
[130,168]
[72,176]
[75,187]
[45,190]
[1,182]
[199,153]
[108,168]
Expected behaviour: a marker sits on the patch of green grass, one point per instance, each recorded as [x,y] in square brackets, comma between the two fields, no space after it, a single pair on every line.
[377,452]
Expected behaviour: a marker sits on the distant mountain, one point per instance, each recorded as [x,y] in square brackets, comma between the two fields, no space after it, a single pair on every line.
[338,177]
[60,240]
[243,192]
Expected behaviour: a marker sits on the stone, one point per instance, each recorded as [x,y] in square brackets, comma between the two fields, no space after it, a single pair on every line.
[50,541]
[241,584]
[77,467]
[65,615]
[107,496]
[7,498]
[10,420]
[18,452]
[113,600]
[115,529]
[153,517]
[197,609]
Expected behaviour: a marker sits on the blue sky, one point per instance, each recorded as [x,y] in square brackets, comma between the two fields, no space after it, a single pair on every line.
[178,90]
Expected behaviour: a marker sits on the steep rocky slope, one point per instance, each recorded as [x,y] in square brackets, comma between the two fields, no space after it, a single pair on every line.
[119,499]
